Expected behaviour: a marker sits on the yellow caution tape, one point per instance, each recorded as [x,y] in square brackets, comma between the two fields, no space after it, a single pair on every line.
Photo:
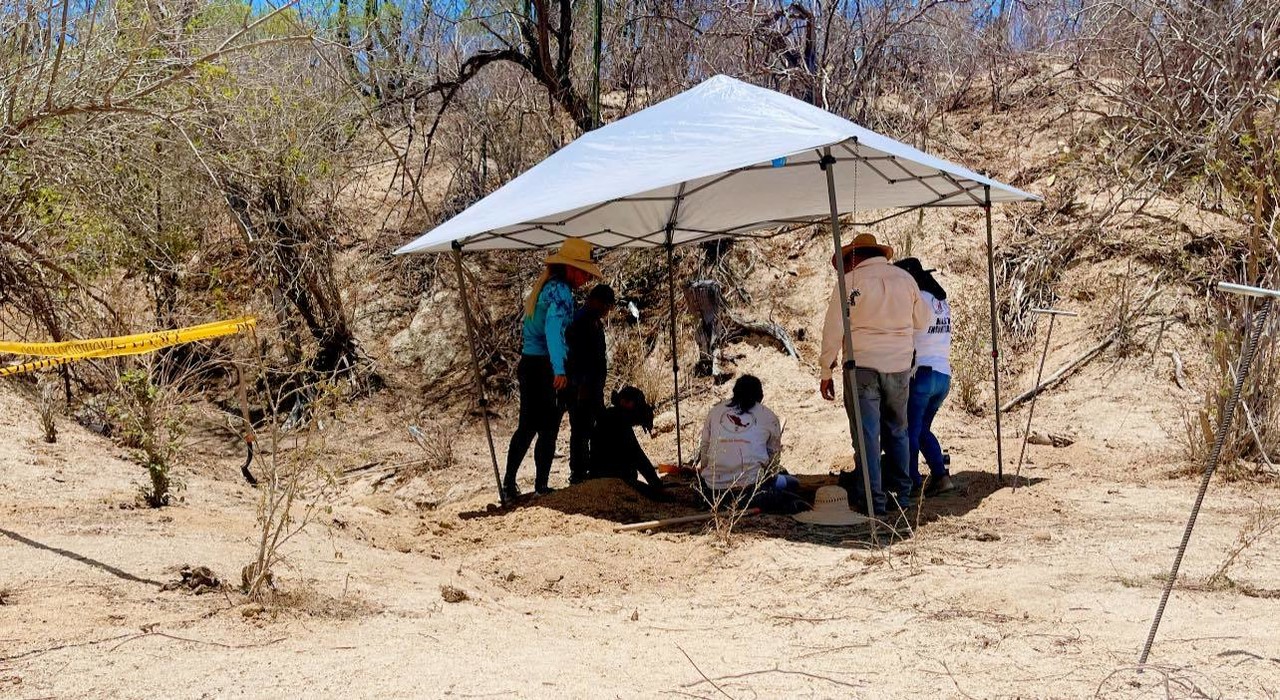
[70,351]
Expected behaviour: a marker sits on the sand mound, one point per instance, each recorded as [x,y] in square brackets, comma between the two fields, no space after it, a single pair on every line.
[615,501]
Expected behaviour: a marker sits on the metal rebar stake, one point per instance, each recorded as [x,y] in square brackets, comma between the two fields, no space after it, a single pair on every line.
[1211,462]
[1053,316]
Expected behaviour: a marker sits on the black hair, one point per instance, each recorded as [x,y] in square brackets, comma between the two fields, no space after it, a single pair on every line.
[558,271]
[924,278]
[867,252]
[748,392]
[602,293]
[640,413]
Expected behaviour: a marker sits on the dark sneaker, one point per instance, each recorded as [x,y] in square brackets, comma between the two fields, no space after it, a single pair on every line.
[510,493]
[937,487]
[544,490]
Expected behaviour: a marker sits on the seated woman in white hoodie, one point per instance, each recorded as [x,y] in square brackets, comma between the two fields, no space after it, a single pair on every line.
[741,443]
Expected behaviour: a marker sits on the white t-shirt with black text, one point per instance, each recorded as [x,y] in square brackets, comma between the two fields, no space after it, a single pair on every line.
[933,344]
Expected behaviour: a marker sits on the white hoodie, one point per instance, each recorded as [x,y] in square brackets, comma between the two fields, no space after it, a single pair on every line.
[736,446]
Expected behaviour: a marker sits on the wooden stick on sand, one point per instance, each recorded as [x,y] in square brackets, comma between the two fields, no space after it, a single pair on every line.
[653,524]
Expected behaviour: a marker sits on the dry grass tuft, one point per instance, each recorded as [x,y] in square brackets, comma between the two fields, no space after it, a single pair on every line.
[313,603]
[453,594]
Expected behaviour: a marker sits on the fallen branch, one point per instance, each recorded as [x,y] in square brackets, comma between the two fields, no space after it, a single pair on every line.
[59,647]
[1061,374]
[652,524]
[194,641]
[700,673]
[783,671]
[1084,358]
[1178,375]
[769,328]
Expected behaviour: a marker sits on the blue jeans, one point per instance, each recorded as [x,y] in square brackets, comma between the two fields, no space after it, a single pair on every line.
[928,390]
[882,399]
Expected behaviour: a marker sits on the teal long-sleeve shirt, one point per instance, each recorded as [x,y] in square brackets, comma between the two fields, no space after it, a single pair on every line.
[544,330]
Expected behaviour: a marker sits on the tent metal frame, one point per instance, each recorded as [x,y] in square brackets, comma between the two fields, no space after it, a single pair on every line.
[763,230]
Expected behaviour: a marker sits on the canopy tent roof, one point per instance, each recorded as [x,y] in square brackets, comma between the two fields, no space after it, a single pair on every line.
[724,159]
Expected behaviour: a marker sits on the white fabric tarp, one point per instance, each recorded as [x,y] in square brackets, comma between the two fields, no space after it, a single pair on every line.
[722,159]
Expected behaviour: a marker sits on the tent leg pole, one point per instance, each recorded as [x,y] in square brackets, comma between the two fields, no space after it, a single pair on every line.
[475,368]
[1048,337]
[675,358]
[849,370]
[995,337]
[1211,464]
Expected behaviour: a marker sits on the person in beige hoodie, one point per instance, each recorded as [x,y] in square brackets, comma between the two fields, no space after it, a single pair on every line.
[885,311]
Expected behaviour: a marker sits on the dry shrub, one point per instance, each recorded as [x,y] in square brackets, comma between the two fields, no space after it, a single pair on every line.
[728,508]
[435,438]
[1255,431]
[152,421]
[971,350]
[453,594]
[1123,299]
[294,483]
[1264,520]
[47,403]
[309,601]
[634,363]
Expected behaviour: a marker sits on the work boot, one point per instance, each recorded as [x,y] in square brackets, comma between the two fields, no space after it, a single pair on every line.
[510,493]
[543,490]
[939,486]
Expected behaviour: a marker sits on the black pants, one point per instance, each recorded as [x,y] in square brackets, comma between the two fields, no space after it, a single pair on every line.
[584,411]
[540,416]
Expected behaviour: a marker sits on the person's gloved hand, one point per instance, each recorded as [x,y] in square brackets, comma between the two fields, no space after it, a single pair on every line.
[828,389]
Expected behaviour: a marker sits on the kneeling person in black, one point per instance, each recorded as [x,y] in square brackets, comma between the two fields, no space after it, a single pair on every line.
[615,452]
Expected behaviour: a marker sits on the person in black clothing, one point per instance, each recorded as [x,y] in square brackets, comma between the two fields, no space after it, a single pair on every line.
[615,452]
[587,367]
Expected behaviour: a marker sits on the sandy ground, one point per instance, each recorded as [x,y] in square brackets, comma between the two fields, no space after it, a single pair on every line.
[1042,592]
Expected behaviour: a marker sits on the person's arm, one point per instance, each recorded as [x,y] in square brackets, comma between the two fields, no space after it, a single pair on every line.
[773,444]
[559,316]
[832,342]
[704,449]
[642,464]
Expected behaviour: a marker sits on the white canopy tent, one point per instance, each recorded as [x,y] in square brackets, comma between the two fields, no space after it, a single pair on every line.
[722,160]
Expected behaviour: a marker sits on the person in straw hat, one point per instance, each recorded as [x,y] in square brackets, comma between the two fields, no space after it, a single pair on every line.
[885,311]
[548,310]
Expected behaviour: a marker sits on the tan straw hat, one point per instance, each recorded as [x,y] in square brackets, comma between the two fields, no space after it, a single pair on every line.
[575,252]
[831,507]
[863,240]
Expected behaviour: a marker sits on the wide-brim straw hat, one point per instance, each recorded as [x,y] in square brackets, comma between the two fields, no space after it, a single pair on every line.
[575,252]
[831,508]
[864,240]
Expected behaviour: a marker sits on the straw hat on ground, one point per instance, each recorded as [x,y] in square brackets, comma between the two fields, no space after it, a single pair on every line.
[575,252]
[862,240]
[831,507]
